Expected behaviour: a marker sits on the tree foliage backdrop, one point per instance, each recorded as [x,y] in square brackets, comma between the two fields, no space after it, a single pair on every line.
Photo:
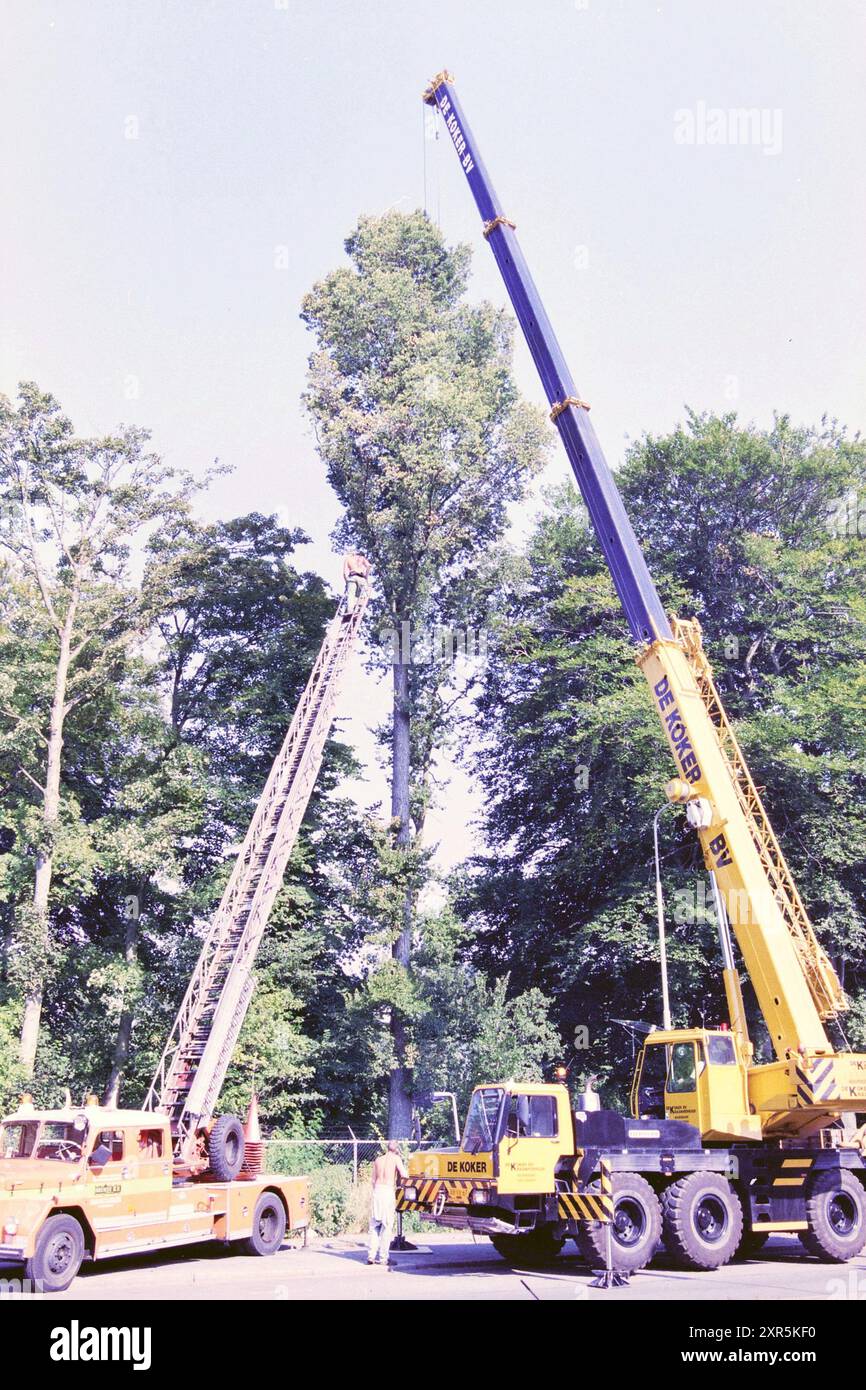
[150,663]
[747,531]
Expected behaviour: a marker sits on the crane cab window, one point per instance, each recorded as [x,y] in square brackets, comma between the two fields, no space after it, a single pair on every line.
[481,1120]
[683,1071]
[531,1117]
[721,1051]
[651,1090]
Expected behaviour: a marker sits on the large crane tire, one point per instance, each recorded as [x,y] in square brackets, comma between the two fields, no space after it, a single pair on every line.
[636,1227]
[703,1220]
[836,1212]
[537,1247]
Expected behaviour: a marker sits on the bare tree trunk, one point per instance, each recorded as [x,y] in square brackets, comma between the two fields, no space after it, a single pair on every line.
[399,1096]
[124,1027]
[45,852]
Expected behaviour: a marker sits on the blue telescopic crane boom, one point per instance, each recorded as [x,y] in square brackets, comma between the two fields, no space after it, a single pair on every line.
[643,607]
[795,981]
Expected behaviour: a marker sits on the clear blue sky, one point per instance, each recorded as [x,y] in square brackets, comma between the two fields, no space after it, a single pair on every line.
[715,275]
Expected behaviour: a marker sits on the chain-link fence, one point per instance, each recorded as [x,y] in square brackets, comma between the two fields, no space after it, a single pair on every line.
[310,1155]
[340,1177]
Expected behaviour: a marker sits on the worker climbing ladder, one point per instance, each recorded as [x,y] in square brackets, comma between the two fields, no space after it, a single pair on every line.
[196,1057]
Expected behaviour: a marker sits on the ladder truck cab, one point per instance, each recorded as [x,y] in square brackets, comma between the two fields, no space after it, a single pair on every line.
[91,1182]
[719,1151]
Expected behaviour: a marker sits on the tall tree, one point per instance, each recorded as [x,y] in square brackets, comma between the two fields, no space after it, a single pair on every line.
[71,508]
[425,441]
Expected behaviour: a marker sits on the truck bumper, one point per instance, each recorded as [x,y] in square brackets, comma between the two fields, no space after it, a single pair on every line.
[475,1206]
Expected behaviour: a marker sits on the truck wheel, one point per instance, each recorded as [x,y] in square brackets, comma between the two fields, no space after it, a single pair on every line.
[269,1226]
[836,1212]
[225,1148]
[750,1243]
[537,1247]
[703,1220]
[636,1228]
[58,1255]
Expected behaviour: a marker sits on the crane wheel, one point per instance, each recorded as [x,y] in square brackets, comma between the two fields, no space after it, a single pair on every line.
[750,1243]
[225,1148]
[636,1227]
[58,1255]
[537,1247]
[269,1226]
[836,1212]
[703,1220]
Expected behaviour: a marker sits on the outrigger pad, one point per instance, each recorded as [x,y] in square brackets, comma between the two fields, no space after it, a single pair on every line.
[401,1243]
[609,1279]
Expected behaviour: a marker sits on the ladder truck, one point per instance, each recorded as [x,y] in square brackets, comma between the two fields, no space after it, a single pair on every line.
[91,1182]
[719,1150]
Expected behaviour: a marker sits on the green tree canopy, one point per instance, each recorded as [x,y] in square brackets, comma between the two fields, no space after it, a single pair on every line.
[735,523]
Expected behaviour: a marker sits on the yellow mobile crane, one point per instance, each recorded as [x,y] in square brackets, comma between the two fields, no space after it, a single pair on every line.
[719,1151]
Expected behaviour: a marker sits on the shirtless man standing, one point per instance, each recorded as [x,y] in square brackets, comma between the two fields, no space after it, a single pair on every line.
[385,1171]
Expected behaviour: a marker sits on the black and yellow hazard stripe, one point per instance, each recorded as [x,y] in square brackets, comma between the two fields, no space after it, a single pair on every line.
[428,1190]
[816,1085]
[605,1182]
[581,1206]
[795,1172]
[589,1206]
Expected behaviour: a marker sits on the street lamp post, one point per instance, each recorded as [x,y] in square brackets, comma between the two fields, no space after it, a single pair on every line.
[660,914]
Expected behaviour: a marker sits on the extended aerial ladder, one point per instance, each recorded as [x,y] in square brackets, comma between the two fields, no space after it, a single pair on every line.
[196,1056]
[796,985]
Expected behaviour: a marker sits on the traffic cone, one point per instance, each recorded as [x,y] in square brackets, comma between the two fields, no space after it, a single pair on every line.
[254,1149]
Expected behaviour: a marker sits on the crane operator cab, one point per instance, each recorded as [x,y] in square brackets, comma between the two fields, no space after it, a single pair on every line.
[699,1076]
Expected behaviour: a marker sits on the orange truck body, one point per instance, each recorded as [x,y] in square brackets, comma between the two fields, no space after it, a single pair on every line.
[119,1185]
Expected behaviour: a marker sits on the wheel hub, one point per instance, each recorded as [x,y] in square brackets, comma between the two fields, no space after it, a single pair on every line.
[711,1219]
[842,1214]
[629,1222]
[59,1256]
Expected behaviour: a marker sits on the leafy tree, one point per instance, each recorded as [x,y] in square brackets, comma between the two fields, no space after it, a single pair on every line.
[71,508]
[425,441]
[472,1029]
[734,522]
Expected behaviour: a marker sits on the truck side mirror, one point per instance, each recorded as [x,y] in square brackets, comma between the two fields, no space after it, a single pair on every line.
[523,1114]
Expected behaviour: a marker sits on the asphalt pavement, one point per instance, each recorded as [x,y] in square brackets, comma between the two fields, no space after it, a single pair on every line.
[445,1265]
